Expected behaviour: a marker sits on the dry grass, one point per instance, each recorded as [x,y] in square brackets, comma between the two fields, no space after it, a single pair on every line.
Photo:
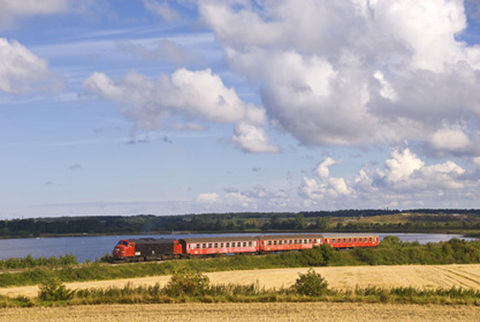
[418,276]
[246,312]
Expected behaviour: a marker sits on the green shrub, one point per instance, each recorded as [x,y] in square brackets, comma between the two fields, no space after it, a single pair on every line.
[310,284]
[186,282]
[54,290]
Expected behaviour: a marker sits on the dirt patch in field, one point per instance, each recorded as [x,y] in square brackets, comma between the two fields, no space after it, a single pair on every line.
[419,276]
[246,312]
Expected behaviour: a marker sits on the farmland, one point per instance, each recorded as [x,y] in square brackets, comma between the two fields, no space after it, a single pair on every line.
[346,278]
[245,312]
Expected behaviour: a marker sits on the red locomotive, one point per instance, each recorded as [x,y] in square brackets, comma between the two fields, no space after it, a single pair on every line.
[165,248]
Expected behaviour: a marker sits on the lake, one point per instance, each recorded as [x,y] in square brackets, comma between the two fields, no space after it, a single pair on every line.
[95,247]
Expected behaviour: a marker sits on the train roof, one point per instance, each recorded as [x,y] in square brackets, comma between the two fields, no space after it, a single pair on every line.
[219,239]
[152,240]
[290,236]
[331,235]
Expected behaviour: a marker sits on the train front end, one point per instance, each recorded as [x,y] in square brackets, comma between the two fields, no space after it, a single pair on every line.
[123,250]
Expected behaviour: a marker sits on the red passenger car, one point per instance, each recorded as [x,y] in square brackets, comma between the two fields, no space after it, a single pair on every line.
[351,240]
[219,245]
[274,243]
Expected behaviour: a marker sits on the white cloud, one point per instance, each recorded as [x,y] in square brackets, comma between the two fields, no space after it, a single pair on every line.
[404,171]
[402,165]
[253,139]
[207,198]
[19,67]
[11,10]
[396,71]
[194,95]
[452,139]
[322,187]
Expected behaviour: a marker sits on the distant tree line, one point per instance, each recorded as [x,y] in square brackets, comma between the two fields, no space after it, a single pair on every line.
[419,220]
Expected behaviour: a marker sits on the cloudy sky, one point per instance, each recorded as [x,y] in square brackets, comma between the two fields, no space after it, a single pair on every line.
[174,107]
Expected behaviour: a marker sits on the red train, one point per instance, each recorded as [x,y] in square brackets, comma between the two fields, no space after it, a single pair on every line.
[167,248]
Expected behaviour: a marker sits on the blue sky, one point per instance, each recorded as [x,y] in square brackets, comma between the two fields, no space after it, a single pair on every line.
[174,107]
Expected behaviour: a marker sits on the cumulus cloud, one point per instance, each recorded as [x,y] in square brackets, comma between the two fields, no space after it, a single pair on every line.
[406,173]
[321,186]
[19,67]
[11,10]
[396,71]
[404,181]
[251,138]
[207,198]
[257,198]
[193,95]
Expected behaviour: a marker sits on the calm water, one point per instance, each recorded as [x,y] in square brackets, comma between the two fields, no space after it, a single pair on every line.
[95,247]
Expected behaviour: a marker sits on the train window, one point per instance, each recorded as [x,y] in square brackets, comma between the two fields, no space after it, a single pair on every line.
[295,241]
[349,240]
[275,243]
[279,242]
[269,243]
[370,238]
[198,246]
[304,241]
[209,245]
[354,240]
[344,240]
[244,244]
[300,241]
[228,244]
[239,244]
[221,245]
[250,244]
[309,241]
[285,242]
[216,245]
[314,241]
[204,245]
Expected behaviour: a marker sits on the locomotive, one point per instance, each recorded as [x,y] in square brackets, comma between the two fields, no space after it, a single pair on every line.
[145,249]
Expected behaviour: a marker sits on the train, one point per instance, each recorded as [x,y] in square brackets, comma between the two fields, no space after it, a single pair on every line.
[149,249]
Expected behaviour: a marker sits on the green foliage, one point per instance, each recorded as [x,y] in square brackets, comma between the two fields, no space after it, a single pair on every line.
[423,220]
[187,282]
[310,284]
[390,242]
[30,262]
[107,258]
[53,290]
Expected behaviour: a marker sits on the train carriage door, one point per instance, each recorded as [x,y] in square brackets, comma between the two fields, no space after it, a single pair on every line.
[180,247]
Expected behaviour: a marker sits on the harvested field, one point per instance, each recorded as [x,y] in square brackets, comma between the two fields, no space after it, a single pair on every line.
[246,312]
[418,276]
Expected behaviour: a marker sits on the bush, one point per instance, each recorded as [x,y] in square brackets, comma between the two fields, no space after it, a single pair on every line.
[186,282]
[54,290]
[310,284]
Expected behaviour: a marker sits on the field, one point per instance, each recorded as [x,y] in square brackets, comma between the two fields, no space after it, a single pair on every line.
[418,276]
[426,276]
[246,312]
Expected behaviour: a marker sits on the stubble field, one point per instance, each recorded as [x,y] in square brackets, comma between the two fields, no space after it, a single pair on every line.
[246,312]
[418,276]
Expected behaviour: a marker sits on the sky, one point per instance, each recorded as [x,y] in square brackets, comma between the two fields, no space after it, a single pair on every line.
[117,107]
